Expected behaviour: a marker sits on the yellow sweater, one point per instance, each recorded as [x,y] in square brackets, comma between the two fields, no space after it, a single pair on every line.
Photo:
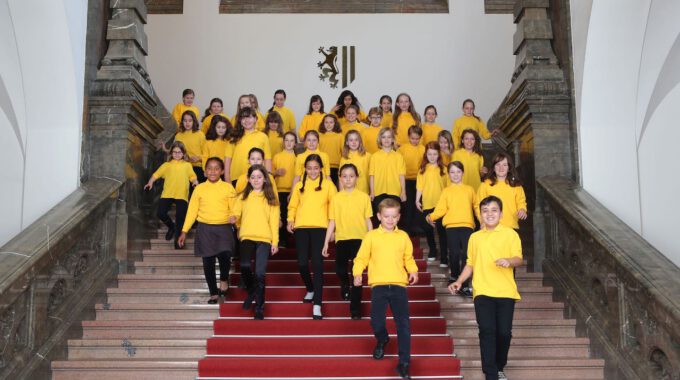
[211,203]
[176,175]
[205,125]
[484,248]
[356,126]
[275,142]
[404,122]
[386,167]
[180,108]
[430,133]
[386,120]
[289,123]
[239,152]
[284,160]
[331,144]
[388,255]
[259,221]
[300,162]
[468,122]
[214,148]
[362,163]
[513,199]
[413,156]
[350,210]
[431,183]
[311,122]
[193,142]
[456,204]
[310,208]
[473,164]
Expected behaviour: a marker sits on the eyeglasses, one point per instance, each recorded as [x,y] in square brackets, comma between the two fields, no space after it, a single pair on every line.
[375,117]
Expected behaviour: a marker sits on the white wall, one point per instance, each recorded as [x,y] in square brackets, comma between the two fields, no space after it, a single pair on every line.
[41,101]
[438,59]
[627,76]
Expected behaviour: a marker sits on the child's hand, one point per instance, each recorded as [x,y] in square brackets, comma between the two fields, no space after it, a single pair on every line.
[280,172]
[429,221]
[194,184]
[181,238]
[148,186]
[419,206]
[503,263]
[484,170]
[522,214]
[232,220]
[413,278]
[275,249]
[324,250]
[291,227]
[372,197]
[455,287]
[358,280]
[195,159]
[403,196]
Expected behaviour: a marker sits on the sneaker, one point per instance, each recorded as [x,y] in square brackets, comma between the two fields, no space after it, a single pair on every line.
[171,232]
[316,312]
[431,258]
[402,370]
[501,376]
[443,265]
[452,280]
[309,296]
[466,292]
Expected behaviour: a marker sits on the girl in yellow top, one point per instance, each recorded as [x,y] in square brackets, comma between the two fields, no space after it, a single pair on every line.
[386,108]
[247,101]
[386,171]
[469,121]
[193,140]
[287,116]
[186,105]
[177,173]
[243,138]
[350,219]
[258,212]
[216,108]
[313,119]
[404,117]
[430,128]
[211,206]
[369,135]
[456,205]
[346,99]
[283,167]
[330,142]
[351,122]
[413,153]
[503,182]
[255,157]
[445,146]
[216,141]
[308,220]
[429,185]
[471,157]
[274,130]
[311,147]
[353,152]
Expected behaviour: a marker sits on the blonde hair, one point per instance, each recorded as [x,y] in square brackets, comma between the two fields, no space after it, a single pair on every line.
[345,146]
[382,132]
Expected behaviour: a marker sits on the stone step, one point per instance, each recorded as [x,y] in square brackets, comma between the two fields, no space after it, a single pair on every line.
[523,280]
[521,328]
[156,312]
[124,370]
[523,310]
[138,349]
[147,329]
[541,369]
[529,294]
[529,348]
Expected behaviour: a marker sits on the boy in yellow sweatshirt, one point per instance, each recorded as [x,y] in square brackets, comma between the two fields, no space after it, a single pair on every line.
[380,250]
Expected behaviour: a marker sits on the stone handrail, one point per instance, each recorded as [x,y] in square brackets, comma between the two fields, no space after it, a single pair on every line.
[623,292]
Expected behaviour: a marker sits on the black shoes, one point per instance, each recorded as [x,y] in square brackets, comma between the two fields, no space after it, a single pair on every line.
[248,302]
[355,315]
[171,232]
[402,370]
[259,315]
[466,292]
[344,292]
[212,301]
[379,350]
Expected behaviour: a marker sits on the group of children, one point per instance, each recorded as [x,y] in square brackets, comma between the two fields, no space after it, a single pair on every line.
[251,189]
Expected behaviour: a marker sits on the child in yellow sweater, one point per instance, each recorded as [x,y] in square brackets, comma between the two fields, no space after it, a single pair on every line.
[283,169]
[413,152]
[504,183]
[216,108]
[312,120]
[430,183]
[186,105]
[470,155]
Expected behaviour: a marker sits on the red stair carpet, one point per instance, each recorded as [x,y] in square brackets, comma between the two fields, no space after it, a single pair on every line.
[289,344]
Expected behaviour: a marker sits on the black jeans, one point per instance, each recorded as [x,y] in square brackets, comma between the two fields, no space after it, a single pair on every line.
[458,238]
[346,251]
[260,251]
[494,318]
[309,243]
[200,177]
[224,259]
[397,298]
[283,206]
[181,206]
[335,176]
[429,235]
[410,213]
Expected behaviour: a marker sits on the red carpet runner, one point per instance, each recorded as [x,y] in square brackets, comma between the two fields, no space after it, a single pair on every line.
[288,344]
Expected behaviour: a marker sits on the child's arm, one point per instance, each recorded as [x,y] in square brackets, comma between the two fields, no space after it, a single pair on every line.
[227,169]
[521,201]
[515,254]
[439,210]
[149,185]
[402,183]
[192,214]
[158,174]
[467,273]
[329,236]
[361,260]
[409,262]
[292,208]
[268,164]
[371,187]
[274,217]
[419,205]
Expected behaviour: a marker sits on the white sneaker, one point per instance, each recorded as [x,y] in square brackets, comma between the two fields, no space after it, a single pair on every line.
[431,258]
[309,296]
[443,265]
[501,376]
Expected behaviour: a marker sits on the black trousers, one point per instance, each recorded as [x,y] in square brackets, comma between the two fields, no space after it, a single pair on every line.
[346,251]
[309,243]
[376,201]
[224,259]
[429,235]
[494,318]
[200,177]
[410,214]
[335,177]
[260,252]
[458,238]
[181,206]
[283,206]
[397,298]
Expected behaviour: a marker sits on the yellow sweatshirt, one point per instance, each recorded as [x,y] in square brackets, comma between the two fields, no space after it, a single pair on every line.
[205,125]
[214,148]
[386,167]
[484,248]
[275,142]
[356,126]
[468,122]
[369,136]
[193,142]
[211,203]
[386,120]
[513,199]
[259,221]
[388,255]
[457,205]
[331,144]
[311,122]
[289,123]
[300,162]
[350,210]
[284,160]
[473,164]
[404,122]
[239,152]
[180,108]
[430,133]
[431,184]
[176,175]
[310,208]
[362,163]
[413,156]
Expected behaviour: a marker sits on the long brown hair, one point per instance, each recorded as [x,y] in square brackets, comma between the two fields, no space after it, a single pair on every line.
[238,131]
[432,145]
[477,148]
[267,188]
[512,179]
[473,107]
[273,117]
[397,111]
[194,128]
[336,122]
[212,130]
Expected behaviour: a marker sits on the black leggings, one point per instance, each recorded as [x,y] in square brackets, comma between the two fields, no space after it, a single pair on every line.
[309,243]
[457,239]
[335,176]
[346,251]
[429,235]
[224,259]
[260,252]
[181,206]
[283,206]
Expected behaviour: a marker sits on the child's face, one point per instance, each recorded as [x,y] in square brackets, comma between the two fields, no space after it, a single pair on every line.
[188,100]
[213,171]
[311,142]
[491,215]
[443,143]
[501,168]
[188,122]
[403,103]
[414,139]
[177,154]
[255,159]
[328,124]
[347,100]
[316,106]
[244,102]
[216,108]
[387,140]
[430,115]
[256,180]
[273,126]
[468,109]
[348,178]
[389,217]
[375,120]
[351,115]
[468,141]
[455,174]
[386,105]
[221,129]
[353,141]
[248,122]
[280,100]
[289,142]
[313,169]
[432,156]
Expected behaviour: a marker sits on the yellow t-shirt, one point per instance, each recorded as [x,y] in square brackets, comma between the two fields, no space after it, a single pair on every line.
[473,164]
[300,162]
[413,156]
[289,123]
[310,208]
[275,142]
[356,126]
[350,210]
[431,183]
[284,160]
[239,152]
[386,120]
[446,158]
[386,167]
[430,133]
[369,136]
[242,182]
[311,122]
[180,108]
[331,144]
[211,203]
[484,248]
[214,148]
[388,255]
[258,220]
[468,122]
[362,163]
[205,125]
[176,175]
[193,142]
[457,205]
[513,199]
[404,122]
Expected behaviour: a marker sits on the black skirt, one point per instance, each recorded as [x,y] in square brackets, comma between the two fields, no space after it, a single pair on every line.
[212,239]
